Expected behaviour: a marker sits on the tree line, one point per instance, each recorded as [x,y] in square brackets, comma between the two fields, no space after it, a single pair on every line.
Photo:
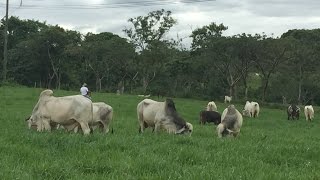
[244,66]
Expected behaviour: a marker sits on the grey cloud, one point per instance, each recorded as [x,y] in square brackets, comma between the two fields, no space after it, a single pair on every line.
[248,16]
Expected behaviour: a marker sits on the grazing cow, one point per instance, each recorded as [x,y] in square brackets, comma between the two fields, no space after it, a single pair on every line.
[212,106]
[227,99]
[231,122]
[210,116]
[293,111]
[161,115]
[247,109]
[309,113]
[102,116]
[68,111]
[255,109]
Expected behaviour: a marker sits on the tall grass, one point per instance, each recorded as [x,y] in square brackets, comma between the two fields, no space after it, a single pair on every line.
[269,147]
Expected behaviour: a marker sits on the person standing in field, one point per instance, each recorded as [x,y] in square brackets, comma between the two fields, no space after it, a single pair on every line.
[85,91]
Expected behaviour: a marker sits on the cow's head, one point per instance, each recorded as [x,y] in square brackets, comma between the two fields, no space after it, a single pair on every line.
[186,129]
[31,123]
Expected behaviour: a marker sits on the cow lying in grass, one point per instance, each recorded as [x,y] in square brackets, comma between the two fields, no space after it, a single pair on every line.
[231,122]
[212,106]
[161,115]
[210,116]
[309,113]
[293,112]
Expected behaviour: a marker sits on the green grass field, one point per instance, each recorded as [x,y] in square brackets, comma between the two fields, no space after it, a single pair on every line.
[269,147]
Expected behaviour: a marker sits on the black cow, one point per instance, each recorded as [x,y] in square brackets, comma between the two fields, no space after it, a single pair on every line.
[210,116]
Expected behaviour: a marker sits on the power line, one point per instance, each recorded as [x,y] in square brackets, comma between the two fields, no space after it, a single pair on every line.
[111,5]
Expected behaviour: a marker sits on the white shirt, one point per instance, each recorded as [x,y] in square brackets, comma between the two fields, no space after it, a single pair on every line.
[84,90]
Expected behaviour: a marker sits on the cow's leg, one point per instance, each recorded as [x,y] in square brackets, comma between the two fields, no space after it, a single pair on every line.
[85,128]
[39,124]
[141,129]
[46,124]
[156,127]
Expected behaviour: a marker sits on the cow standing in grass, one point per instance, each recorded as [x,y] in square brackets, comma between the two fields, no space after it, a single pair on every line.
[255,109]
[247,109]
[210,116]
[231,122]
[309,113]
[293,112]
[161,115]
[227,99]
[68,110]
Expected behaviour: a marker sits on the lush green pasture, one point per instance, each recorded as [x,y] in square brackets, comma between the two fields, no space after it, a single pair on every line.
[269,147]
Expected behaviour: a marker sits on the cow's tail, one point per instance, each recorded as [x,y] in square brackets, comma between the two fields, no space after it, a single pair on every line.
[110,118]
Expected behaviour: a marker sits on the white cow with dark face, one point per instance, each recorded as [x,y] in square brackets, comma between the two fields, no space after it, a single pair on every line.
[66,111]
[161,115]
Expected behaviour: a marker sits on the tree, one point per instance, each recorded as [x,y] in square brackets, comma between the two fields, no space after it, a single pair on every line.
[269,54]
[147,34]
[104,52]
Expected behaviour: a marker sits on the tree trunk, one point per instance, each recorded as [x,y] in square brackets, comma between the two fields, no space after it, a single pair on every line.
[266,84]
[245,89]
[300,84]
[98,83]
[144,84]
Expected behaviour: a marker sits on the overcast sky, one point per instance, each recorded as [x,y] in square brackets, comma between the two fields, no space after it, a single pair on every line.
[241,16]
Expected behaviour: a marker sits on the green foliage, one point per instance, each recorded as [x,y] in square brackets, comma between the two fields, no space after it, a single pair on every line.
[269,147]
[47,56]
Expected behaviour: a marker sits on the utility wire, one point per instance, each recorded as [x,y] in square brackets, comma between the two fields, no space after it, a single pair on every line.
[110,5]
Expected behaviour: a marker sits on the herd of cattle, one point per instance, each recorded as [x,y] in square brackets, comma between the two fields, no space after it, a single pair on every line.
[79,113]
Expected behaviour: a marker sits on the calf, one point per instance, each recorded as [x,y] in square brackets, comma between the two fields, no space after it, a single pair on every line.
[210,116]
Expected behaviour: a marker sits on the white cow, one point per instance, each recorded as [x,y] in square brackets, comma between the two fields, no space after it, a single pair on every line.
[309,113]
[227,99]
[231,122]
[102,117]
[212,106]
[67,111]
[161,115]
[255,109]
[247,109]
